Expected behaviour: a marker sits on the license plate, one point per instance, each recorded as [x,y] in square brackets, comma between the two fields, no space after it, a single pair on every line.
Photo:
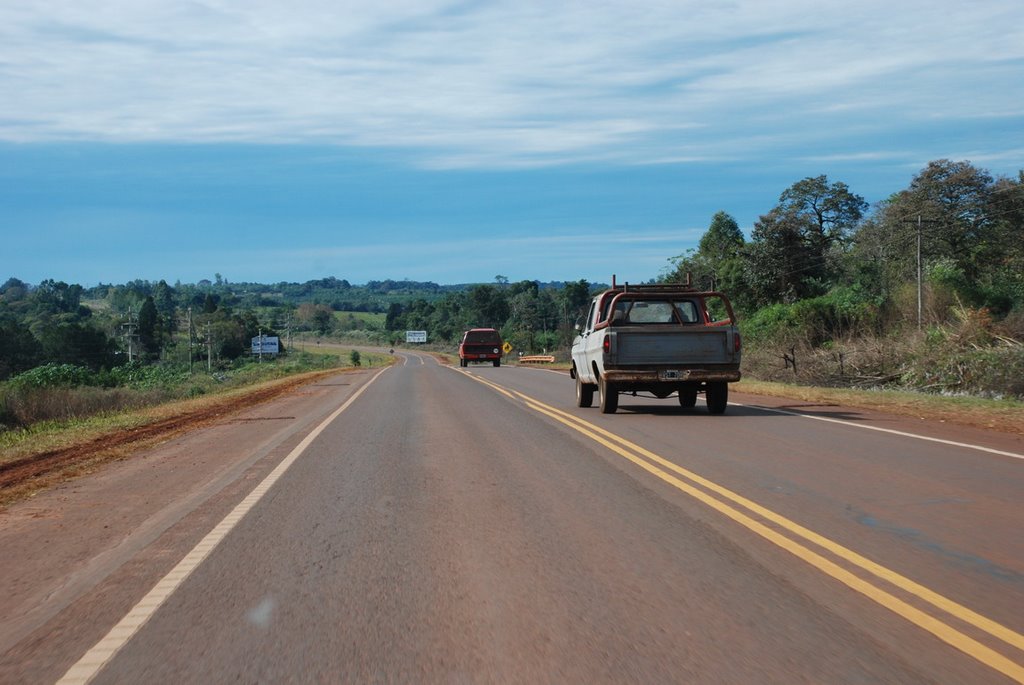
[671,375]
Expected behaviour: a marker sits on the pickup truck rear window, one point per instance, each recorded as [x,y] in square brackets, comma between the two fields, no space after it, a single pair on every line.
[654,311]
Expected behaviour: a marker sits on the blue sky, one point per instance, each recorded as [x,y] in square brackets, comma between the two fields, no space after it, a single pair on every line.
[455,141]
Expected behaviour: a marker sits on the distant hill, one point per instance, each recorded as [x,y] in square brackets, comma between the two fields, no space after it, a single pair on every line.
[338,294]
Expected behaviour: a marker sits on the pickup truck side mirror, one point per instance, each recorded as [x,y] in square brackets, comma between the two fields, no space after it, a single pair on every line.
[578,327]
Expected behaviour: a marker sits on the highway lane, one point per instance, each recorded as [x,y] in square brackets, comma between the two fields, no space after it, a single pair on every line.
[456,525]
[938,516]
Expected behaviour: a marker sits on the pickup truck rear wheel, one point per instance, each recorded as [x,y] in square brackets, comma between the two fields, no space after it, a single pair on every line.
[609,397]
[688,397]
[717,396]
[584,393]
[497,362]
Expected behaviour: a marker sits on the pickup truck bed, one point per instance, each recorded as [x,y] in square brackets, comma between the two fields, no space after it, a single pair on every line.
[669,347]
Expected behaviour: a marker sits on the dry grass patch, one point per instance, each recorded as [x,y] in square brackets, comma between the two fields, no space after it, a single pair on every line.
[1001,415]
[45,455]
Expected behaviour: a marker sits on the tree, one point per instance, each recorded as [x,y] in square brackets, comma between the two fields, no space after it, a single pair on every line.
[149,327]
[723,239]
[575,299]
[58,296]
[796,249]
[1004,276]
[392,322]
[163,297]
[969,223]
[717,263]
[19,349]
[13,290]
[833,210]
[779,266]
[448,319]
[487,306]
[525,320]
[951,201]
[75,343]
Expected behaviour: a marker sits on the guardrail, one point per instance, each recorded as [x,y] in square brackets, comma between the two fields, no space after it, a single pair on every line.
[537,359]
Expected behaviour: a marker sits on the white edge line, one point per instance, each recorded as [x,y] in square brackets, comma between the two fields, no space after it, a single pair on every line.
[1013,455]
[93,661]
[990,450]
[565,374]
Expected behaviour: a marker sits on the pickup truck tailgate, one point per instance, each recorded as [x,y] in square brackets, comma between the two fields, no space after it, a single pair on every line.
[673,348]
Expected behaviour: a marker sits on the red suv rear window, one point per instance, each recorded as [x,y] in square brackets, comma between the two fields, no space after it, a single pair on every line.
[483,337]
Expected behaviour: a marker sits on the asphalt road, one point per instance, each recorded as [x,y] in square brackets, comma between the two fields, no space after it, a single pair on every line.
[466,526]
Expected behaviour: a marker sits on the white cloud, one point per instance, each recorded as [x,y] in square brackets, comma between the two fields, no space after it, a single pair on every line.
[502,84]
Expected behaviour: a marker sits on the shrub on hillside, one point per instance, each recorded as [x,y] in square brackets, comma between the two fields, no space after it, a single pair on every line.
[146,377]
[52,376]
[813,321]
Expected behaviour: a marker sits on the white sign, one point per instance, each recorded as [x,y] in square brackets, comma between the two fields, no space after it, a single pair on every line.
[415,336]
[267,344]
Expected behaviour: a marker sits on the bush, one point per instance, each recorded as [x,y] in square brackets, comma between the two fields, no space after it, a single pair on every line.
[146,377]
[53,376]
[28,405]
[774,323]
[813,321]
[991,372]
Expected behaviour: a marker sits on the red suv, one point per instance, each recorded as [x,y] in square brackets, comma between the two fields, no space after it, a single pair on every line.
[480,345]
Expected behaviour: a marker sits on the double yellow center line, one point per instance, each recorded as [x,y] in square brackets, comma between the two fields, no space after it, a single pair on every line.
[799,541]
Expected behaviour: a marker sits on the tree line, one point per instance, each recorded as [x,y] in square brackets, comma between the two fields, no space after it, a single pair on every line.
[967,227]
[821,260]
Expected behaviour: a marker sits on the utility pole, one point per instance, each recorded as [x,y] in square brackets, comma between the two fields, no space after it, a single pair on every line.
[129,334]
[190,341]
[261,346]
[920,264]
[209,350]
[919,273]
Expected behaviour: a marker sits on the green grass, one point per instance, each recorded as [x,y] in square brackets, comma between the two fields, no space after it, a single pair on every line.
[371,319]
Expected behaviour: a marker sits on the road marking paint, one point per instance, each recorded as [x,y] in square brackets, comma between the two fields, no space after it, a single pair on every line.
[851,424]
[881,430]
[560,373]
[941,630]
[939,601]
[491,385]
[643,458]
[103,651]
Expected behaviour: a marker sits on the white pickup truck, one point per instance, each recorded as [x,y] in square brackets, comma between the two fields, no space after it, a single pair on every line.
[657,339]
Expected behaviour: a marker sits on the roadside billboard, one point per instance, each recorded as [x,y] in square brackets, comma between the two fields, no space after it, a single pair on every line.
[266,344]
[415,336]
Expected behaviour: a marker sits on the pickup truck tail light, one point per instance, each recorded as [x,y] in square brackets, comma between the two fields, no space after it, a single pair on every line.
[606,344]
[736,343]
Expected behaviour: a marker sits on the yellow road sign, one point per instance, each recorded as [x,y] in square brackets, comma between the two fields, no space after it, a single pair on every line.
[507,347]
